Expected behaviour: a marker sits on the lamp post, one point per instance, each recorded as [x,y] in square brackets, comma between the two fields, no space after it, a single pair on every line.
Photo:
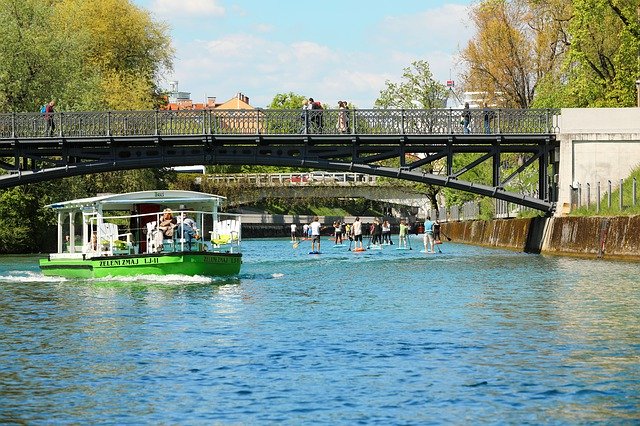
[638,91]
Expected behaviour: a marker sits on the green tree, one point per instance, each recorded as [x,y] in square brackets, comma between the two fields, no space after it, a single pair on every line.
[85,54]
[25,225]
[35,62]
[123,51]
[287,101]
[518,43]
[418,89]
[603,63]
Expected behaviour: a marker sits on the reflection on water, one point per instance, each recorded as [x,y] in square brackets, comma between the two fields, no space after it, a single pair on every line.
[470,335]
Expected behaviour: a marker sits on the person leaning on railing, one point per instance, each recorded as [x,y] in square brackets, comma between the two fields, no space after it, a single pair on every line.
[50,125]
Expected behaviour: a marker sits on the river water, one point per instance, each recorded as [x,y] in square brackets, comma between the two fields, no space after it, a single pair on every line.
[471,335]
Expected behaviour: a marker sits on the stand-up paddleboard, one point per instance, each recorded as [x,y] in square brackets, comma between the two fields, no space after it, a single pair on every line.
[375,247]
[403,248]
[338,245]
[427,252]
[315,252]
[359,249]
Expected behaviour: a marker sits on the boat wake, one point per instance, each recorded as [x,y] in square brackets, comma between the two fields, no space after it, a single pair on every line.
[165,280]
[28,277]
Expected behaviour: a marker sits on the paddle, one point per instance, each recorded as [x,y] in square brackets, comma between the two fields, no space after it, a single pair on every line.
[409,240]
[445,235]
[297,243]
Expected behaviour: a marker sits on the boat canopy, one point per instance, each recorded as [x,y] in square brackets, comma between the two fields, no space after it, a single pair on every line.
[166,198]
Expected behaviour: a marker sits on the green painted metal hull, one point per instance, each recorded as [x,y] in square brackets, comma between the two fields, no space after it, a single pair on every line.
[183,263]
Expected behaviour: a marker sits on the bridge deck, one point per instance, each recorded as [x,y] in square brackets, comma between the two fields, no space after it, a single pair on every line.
[393,143]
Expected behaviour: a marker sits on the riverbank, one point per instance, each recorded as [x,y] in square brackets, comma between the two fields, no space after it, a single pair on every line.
[587,237]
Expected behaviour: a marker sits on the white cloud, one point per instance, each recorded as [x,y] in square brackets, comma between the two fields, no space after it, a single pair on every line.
[261,67]
[184,8]
[441,28]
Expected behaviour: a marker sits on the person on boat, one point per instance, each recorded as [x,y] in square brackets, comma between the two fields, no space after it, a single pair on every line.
[187,229]
[165,229]
[429,241]
[402,236]
[294,236]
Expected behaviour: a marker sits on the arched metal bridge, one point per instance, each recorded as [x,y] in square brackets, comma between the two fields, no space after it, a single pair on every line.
[390,143]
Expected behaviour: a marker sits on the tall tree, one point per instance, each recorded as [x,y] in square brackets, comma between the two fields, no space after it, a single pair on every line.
[517,44]
[34,62]
[287,101]
[604,62]
[85,54]
[123,51]
[418,89]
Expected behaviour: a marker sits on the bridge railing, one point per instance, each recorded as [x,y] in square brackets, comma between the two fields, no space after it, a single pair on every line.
[320,177]
[278,122]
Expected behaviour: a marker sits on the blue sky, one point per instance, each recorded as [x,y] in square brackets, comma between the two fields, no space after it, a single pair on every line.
[326,49]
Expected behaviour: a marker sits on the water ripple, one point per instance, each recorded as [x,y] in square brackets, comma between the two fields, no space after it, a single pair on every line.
[471,336]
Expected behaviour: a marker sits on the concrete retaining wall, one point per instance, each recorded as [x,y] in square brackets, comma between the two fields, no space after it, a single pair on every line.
[596,145]
[589,237]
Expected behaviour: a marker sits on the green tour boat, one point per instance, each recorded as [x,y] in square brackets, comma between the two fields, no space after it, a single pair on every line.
[142,233]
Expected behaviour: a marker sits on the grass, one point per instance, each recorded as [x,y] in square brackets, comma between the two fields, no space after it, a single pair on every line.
[628,209]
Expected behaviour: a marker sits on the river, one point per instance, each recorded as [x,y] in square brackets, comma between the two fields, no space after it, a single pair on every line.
[470,335]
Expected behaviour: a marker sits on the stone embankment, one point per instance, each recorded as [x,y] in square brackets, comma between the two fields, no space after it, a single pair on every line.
[589,237]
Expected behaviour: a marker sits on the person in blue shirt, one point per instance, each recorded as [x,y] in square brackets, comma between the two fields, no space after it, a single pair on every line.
[429,240]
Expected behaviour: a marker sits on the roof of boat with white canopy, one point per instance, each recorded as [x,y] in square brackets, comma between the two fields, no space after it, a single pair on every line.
[166,198]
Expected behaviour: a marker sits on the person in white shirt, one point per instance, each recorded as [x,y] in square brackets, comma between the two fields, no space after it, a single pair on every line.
[315,226]
[294,237]
[356,229]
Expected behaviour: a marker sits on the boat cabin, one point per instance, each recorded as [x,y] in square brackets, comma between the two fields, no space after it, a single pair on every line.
[145,222]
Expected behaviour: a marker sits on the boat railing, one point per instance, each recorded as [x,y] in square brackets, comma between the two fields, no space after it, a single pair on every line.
[136,234]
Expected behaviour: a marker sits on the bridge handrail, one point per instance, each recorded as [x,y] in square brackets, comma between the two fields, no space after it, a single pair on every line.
[277,122]
[294,177]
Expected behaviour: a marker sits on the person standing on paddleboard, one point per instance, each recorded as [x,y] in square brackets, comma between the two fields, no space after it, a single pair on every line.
[315,227]
[356,228]
[429,241]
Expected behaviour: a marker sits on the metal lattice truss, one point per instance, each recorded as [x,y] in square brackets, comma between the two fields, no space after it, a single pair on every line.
[403,144]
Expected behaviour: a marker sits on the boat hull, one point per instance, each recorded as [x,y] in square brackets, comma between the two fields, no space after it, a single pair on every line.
[182,263]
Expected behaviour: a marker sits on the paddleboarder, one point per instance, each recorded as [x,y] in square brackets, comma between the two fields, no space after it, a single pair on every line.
[429,241]
[402,236]
[315,228]
[356,229]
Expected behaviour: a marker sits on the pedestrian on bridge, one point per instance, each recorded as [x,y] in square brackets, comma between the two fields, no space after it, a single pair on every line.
[50,125]
[342,125]
[488,115]
[305,118]
[466,119]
